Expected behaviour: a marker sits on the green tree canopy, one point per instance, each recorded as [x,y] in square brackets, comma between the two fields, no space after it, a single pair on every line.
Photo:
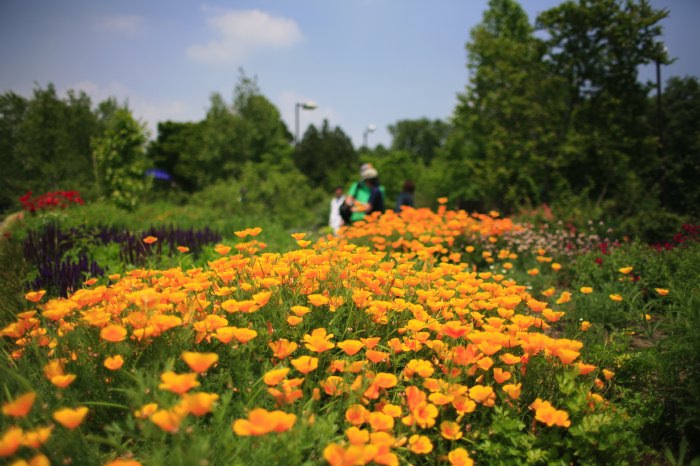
[422,137]
[120,160]
[326,156]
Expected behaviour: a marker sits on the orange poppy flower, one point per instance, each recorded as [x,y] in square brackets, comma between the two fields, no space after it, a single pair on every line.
[626,270]
[261,422]
[450,430]
[222,249]
[481,393]
[356,414]
[146,411]
[114,363]
[500,376]
[616,297]
[183,249]
[300,311]
[70,418]
[317,299]
[21,406]
[244,335]
[380,421]
[123,462]
[199,362]
[167,420]
[10,441]
[351,347]
[199,403]
[420,444]
[565,297]
[305,364]
[376,356]
[424,414]
[178,383]
[282,348]
[113,333]
[294,320]
[35,296]
[547,414]
[385,380]
[63,381]
[661,291]
[370,342]
[460,457]
[37,437]
[513,390]
[586,290]
[150,239]
[318,341]
[275,376]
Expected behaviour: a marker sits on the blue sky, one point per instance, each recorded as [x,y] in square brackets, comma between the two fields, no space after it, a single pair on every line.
[361,61]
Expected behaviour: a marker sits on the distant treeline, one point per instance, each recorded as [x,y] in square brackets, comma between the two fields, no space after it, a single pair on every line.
[552,113]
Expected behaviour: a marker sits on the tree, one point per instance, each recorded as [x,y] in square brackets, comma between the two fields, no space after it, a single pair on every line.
[422,138]
[681,152]
[326,156]
[246,131]
[120,160]
[45,142]
[12,110]
[596,48]
[176,151]
[502,138]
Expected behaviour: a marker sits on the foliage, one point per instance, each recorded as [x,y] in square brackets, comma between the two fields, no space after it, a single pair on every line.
[326,156]
[422,138]
[200,154]
[273,188]
[680,164]
[45,142]
[120,160]
[175,150]
[64,259]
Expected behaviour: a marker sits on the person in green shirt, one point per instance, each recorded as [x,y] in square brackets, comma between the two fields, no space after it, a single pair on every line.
[360,192]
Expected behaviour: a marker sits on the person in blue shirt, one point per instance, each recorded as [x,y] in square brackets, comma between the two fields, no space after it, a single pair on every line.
[406,196]
[375,203]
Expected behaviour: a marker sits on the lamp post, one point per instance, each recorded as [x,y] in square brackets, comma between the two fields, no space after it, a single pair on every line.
[305,106]
[370,129]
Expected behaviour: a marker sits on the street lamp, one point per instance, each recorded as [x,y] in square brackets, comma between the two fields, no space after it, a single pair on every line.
[370,129]
[305,106]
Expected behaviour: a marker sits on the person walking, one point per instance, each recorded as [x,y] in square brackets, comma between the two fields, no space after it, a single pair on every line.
[375,203]
[335,221]
[405,196]
[359,193]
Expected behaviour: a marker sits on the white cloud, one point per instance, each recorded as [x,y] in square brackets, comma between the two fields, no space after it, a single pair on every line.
[239,33]
[149,111]
[129,25]
[287,107]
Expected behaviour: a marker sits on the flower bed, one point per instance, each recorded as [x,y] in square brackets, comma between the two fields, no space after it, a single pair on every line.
[387,349]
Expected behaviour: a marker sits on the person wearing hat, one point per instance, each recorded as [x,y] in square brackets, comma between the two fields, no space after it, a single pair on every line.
[359,194]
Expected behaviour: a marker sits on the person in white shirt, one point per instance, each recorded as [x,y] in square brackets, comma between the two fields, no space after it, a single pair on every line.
[335,221]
